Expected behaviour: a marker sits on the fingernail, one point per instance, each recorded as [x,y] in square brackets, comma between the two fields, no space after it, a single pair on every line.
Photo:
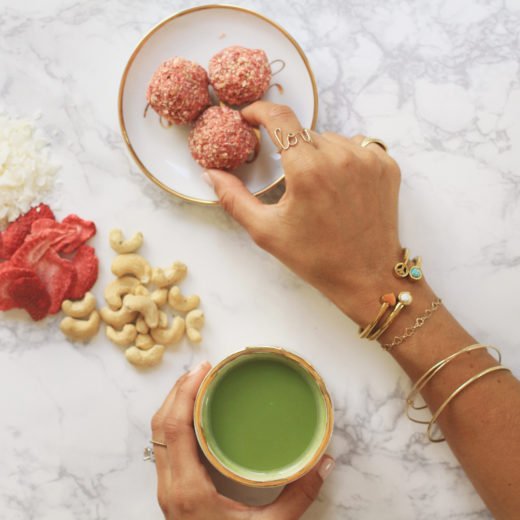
[326,467]
[207,179]
[196,369]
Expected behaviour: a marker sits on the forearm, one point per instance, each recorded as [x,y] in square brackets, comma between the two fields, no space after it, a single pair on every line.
[482,424]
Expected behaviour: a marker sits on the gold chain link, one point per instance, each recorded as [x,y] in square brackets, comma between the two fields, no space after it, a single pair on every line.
[410,331]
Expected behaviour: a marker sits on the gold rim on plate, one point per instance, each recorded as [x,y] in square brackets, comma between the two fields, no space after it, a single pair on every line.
[146,37]
[201,436]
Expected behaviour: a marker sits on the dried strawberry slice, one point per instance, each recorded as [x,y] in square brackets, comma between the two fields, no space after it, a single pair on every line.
[86,230]
[29,293]
[5,265]
[64,237]
[8,275]
[14,236]
[29,254]
[86,265]
[57,274]
[43,223]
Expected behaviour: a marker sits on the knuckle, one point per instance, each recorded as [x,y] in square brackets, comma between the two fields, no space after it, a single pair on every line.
[372,161]
[345,158]
[308,164]
[280,111]
[157,421]
[173,430]
[185,501]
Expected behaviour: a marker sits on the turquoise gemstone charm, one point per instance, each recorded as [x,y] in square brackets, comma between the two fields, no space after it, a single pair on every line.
[416,273]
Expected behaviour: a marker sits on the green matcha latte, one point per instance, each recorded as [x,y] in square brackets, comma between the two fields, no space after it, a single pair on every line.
[263,416]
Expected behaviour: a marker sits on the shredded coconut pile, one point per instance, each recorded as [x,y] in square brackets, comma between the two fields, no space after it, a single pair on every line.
[26,170]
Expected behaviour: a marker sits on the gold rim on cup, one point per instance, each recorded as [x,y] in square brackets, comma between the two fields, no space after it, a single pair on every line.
[146,37]
[201,437]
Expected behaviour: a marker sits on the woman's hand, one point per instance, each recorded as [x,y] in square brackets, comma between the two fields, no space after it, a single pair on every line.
[185,490]
[336,225]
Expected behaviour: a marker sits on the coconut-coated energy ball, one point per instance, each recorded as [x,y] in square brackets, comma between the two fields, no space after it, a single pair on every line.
[239,75]
[222,139]
[178,91]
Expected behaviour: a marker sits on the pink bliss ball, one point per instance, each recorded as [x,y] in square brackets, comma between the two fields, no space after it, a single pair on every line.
[239,75]
[222,139]
[178,91]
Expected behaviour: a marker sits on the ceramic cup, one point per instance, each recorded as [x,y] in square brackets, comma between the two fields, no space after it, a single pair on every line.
[263,417]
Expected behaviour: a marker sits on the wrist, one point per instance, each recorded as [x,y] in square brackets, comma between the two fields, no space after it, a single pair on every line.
[361,302]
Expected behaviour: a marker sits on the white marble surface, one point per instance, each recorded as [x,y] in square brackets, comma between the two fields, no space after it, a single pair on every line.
[439,81]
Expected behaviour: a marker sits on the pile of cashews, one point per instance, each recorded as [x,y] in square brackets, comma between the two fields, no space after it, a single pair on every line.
[137,300]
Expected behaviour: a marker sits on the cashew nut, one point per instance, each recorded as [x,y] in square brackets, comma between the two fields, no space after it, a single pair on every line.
[182,303]
[79,308]
[144,341]
[163,320]
[132,264]
[194,322]
[118,288]
[122,246]
[124,337]
[117,318]
[80,330]
[143,305]
[141,326]
[160,296]
[145,358]
[141,290]
[169,336]
[167,277]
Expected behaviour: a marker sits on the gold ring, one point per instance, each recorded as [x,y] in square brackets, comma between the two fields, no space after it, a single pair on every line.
[369,140]
[157,443]
[292,139]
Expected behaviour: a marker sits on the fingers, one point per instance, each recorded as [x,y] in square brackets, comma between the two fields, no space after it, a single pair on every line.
[240,203]
[280,121]
[179,434]
[162,465]
[297,497]
[272,116]
[173,425]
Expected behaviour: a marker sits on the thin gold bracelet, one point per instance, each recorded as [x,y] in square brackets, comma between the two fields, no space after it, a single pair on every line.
[454,394]
[428,376]
[410,331]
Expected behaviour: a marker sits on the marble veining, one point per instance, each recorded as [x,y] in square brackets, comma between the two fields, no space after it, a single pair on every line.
[438,81]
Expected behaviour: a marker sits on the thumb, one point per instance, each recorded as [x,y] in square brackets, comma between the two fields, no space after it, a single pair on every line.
[297,497]
[235,198]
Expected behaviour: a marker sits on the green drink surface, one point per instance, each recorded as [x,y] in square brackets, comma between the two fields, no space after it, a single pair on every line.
[263,414]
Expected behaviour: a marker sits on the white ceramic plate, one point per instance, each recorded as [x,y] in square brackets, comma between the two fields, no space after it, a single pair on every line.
[197,34]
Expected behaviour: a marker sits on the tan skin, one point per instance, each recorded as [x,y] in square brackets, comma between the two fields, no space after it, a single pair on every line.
[343,200]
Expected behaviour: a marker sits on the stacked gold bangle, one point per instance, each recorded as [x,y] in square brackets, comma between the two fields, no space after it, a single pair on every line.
[381,323]
[432,372]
